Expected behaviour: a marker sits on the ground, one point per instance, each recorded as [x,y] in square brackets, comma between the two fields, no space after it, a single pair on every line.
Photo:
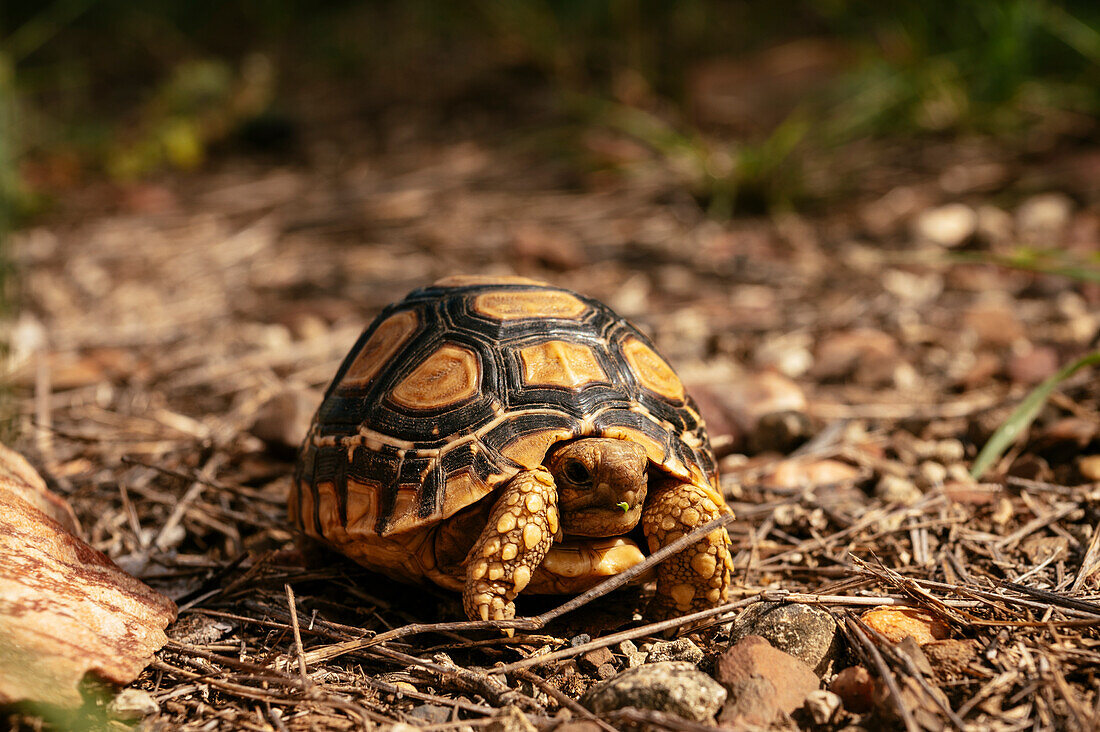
[174,333]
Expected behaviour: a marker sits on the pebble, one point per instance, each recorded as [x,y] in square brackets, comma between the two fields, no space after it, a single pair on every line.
[1033,365]
[822,705]
[133,704]
[431,713]
[283,420]
[896,623]
[579,640]
[752,703]
[806,632]
[869,356]
[753,656]
[856,688]
[676,687]
[798,473]
[1089,465]
[993,323]
[894,489]
[681,649]
[948,226]
[751,397]
[511,719]
[1043,217]
[951,656]
[597,657]
[781,432]
[932,474]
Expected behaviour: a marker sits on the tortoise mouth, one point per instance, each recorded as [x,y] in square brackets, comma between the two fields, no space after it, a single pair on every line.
[602,521]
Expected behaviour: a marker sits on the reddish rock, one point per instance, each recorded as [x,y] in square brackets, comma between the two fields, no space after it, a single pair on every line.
[752,701]
[869,356]
[951,657]
[753,657]
[790,474]
[856,688]
[1033,365]
[597,657]
[993,323]
[895,623]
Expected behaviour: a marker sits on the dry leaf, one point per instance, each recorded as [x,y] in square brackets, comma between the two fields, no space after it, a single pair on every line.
[65,608]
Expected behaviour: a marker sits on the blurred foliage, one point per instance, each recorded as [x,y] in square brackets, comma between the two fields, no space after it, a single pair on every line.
[137,86]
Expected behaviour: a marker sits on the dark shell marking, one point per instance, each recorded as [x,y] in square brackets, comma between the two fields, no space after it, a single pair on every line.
[452,391]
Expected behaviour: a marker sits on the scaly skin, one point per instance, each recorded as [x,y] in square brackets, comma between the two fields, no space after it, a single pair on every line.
[699,576]
[520,529]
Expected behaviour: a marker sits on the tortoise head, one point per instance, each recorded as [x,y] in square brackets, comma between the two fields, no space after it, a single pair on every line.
[601,485]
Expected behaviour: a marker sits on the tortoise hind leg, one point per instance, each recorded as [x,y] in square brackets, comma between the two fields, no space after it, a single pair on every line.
[520,529]
[699,576]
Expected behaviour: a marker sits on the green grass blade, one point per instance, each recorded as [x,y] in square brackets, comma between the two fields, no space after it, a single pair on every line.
[1023,415]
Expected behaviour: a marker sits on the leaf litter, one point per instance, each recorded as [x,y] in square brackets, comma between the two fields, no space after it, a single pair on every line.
[168,352]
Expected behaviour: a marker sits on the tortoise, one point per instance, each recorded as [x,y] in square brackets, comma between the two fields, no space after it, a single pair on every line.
[498,434]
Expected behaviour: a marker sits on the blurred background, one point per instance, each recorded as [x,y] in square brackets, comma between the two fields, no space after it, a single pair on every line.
[188,180]
[748,107]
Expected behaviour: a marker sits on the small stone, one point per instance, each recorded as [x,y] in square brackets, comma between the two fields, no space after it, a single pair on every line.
[932,474]
[1038,548]
[856,688]
[511,719]
[1089,465]
[580,640]
[799,473]
[1033,365]
[431,713]
[896,623]
[822,705]
[751,702]
[752,396]
[581,725]
[754,656]
[627,647]
[895,489]
[867,355]
[994,323]
[131,704]
[681,649]
[605,671]
[597,657]
[951,656]
[676,687]
[806,632]
[283,420]
[948,226]
[1043,217]
[780,432]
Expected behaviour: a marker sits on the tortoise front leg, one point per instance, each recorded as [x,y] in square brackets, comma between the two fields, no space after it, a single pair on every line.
[699,576]
[520,529]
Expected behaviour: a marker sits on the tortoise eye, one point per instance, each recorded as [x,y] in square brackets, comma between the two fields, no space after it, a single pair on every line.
[576,472]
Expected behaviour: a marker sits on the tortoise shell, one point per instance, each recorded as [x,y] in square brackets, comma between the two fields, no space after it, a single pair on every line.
[452,391]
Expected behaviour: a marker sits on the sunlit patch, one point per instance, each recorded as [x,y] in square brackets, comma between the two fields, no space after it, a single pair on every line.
[652,371]
[516,304]
[560,363]
[380,348]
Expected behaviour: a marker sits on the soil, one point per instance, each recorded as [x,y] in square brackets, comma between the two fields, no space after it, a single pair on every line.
[850,360]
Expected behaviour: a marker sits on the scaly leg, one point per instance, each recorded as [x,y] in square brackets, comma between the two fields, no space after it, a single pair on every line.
[520,529]
[699,576]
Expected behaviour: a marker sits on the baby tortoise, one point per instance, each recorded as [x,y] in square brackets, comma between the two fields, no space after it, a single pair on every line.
[501,435]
